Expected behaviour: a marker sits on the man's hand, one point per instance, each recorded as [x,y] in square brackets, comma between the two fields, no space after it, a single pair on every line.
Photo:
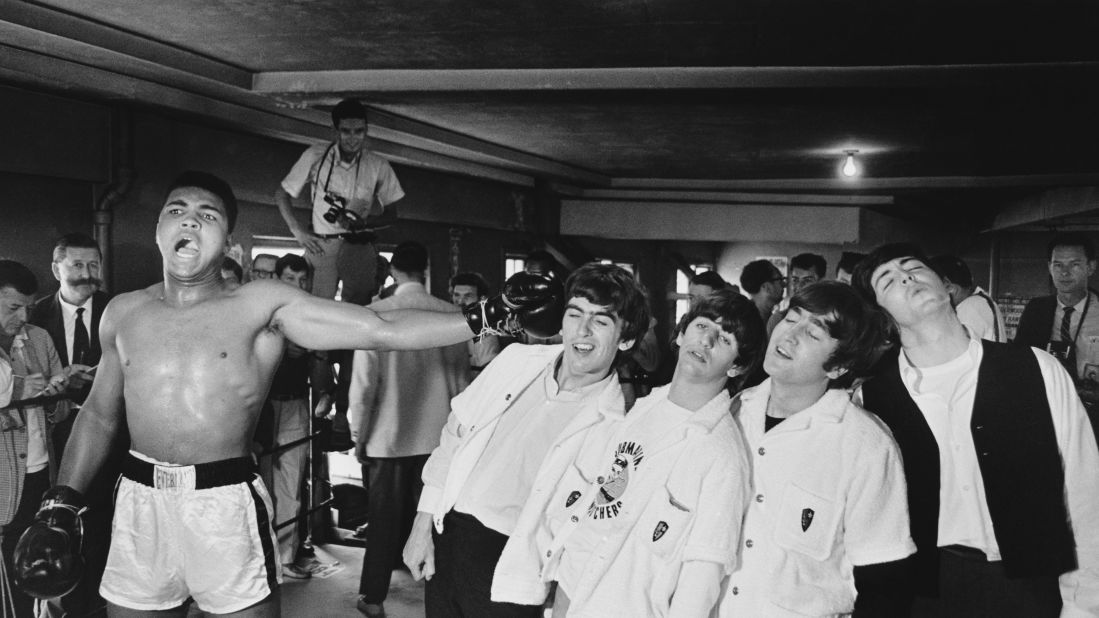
[78,375]
[324,406]
[309,241]
[529,302]
[36,385]
[419,551]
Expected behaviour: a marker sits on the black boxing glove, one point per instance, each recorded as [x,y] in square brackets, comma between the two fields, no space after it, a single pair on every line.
[529,302]
[47,560]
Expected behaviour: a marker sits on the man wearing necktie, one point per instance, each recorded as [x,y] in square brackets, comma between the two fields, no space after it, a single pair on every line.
[71,317]
[1066,324]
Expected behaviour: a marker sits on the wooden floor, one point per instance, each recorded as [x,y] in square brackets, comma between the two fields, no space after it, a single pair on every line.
[335,589]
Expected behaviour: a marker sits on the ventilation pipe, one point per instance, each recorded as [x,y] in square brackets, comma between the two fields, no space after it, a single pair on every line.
[121,174]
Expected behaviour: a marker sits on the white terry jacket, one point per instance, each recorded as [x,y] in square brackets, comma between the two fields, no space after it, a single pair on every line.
[476,411]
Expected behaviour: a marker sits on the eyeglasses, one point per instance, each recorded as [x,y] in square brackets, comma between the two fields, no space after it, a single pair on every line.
[262,274]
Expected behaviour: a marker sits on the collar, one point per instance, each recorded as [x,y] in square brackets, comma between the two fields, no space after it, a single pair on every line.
[970,359]
[69,309]
[410,287]
[700,422]
[339,160]
[1078,306]
[830,408]
[20,339]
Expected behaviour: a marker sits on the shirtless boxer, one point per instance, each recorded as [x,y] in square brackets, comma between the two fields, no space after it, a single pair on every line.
[186,365]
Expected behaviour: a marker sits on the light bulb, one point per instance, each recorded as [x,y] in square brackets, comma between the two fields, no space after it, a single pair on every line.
[849,168]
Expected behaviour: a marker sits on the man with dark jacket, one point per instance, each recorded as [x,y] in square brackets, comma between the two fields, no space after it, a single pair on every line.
[1066,324]
[71,317]
[1000,460]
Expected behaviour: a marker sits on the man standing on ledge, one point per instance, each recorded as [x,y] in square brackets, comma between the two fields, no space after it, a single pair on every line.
[354,192]
[186,366]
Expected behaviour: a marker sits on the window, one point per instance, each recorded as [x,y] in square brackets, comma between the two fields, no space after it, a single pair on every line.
[682,282]
[513,264]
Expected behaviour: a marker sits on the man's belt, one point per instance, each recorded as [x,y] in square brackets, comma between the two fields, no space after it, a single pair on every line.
[360,237]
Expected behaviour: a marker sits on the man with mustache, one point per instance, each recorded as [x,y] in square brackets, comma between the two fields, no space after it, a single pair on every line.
[71,317]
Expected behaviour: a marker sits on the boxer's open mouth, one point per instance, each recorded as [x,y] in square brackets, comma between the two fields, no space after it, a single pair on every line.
[186,246]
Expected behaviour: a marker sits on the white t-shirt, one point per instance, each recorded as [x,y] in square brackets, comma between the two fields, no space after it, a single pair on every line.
[501,480]
[982,316]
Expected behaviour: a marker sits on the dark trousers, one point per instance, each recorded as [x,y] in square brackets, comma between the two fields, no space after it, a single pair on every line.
[972,587]
[393,490]
[466,554]
[34,485]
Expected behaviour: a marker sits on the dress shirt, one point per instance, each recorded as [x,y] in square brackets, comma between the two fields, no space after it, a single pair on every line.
[945,394]
[68,318]
[1087,341]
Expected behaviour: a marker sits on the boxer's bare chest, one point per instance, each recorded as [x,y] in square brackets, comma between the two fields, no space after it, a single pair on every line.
[195,375]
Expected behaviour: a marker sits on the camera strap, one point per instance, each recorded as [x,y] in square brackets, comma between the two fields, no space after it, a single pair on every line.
[332,166]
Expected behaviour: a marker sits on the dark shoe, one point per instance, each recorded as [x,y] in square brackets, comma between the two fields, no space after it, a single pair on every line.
[370,610]
[360,532]
[294,571]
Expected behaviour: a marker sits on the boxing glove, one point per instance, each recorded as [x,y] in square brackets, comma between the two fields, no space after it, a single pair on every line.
[529,302]
[47,560]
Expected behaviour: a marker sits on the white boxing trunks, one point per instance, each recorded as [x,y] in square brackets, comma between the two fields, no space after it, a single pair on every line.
[201,531]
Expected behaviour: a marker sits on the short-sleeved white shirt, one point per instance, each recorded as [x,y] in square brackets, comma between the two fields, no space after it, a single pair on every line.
[367,183]
[981,315]
[669,487]
[830,495]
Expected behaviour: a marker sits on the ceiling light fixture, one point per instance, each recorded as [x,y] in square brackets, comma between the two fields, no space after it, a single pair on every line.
[850,169]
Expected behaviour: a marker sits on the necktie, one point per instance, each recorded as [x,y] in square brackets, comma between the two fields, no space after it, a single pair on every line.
[80,339]
[1066,333]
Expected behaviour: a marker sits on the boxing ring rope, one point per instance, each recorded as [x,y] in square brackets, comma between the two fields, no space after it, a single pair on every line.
[278,448]
[270,452]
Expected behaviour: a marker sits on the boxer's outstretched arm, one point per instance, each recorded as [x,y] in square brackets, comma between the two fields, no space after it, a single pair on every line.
[322,324]
[101,415]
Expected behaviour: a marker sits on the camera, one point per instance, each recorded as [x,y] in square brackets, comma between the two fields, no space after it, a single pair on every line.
[336,204]
[338,213]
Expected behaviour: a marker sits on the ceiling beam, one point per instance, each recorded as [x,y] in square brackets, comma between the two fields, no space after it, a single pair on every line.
[352,82]
[1048,205]
[728,197]
[859,184]
[18,18]
[34,69]
[709,222]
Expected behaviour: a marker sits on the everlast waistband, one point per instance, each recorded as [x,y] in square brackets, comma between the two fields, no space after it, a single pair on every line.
[199,476]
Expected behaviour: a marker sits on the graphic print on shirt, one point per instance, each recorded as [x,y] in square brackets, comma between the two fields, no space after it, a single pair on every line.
[806,519]
[608,501]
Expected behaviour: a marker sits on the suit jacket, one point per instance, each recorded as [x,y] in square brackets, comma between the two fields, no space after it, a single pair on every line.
[47,314]
[399,400]
[1036,323]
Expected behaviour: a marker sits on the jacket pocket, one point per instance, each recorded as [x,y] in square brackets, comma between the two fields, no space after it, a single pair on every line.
[663,526]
